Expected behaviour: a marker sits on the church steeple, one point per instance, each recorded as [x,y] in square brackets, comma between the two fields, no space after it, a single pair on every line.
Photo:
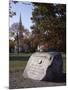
[21,28]
[20,24]
[20,35]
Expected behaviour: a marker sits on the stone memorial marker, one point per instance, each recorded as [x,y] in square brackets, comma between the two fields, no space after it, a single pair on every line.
[38,64]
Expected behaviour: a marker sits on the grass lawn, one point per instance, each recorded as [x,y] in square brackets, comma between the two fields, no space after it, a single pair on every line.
[16,80]
[17,65]
[19,61]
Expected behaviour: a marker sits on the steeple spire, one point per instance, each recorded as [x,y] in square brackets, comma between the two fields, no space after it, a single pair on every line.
[20,19]
[20,22]
[21,28]
[20,35]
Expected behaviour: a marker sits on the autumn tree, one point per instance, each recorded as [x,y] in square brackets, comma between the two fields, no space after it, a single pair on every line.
[50,24]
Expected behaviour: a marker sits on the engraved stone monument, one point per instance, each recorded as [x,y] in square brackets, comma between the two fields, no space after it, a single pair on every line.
[38,64]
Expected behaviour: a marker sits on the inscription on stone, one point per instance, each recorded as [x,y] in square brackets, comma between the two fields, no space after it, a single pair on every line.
[37,65]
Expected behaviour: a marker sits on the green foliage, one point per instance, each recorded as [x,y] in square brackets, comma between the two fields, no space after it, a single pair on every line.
[50,23]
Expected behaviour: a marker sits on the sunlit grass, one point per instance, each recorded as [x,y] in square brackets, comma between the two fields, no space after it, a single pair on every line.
[17,65]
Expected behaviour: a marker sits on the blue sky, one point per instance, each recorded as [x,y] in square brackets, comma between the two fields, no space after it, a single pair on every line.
[26,13]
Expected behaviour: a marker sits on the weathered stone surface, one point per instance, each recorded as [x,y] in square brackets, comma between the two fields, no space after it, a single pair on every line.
[55,70]
[43,66]
[17,81]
